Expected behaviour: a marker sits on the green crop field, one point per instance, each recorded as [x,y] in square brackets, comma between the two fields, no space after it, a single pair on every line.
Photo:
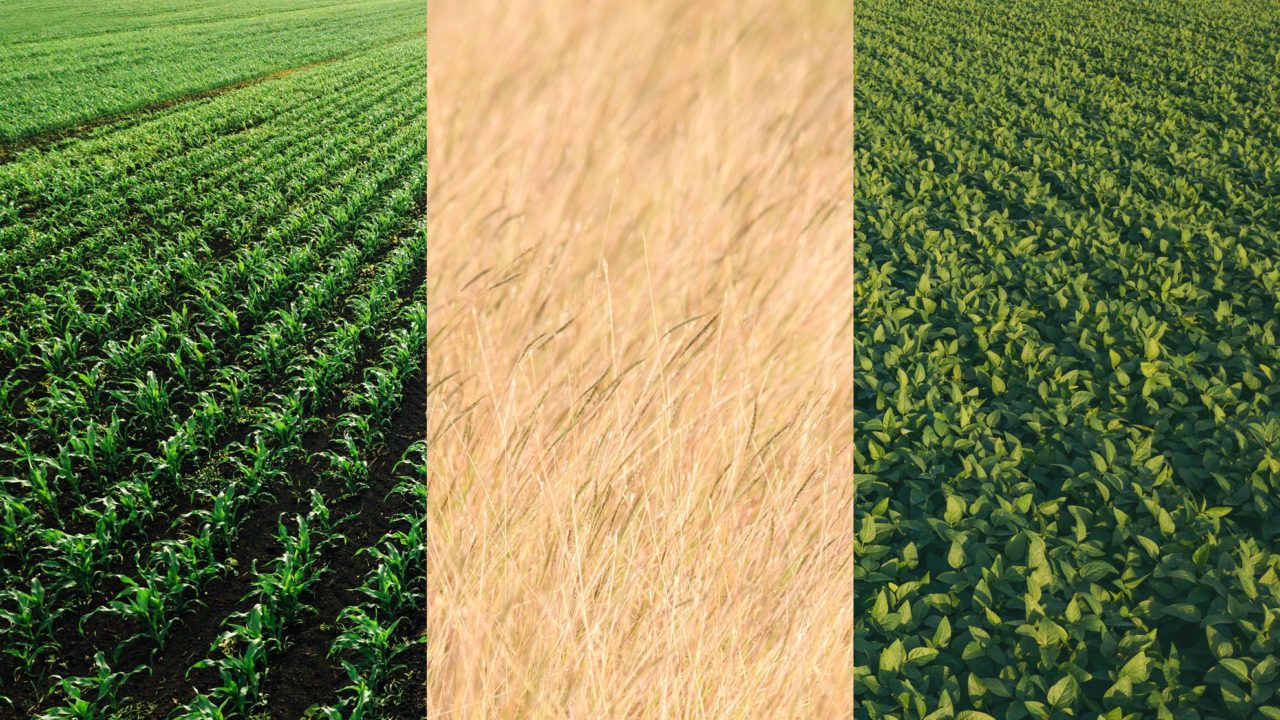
[212,339]
[1067,297]
[63,63]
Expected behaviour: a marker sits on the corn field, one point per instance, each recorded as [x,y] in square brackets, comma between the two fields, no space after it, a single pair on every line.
[212,390]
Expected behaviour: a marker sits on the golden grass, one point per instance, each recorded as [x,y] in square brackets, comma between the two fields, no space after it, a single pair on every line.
[640,359]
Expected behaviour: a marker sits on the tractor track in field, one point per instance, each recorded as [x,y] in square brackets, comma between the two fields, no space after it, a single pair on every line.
[127,118]
[140,518]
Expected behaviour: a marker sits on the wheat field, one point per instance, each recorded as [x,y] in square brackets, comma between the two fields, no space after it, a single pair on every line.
[640,372]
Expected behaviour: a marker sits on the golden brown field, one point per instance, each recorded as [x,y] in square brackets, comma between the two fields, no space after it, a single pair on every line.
[640,359]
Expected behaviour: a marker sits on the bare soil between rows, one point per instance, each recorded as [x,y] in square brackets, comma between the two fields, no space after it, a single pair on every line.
[301,675]
[302,671]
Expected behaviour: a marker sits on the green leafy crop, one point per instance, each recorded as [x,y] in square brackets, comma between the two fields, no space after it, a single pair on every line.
[1067,440]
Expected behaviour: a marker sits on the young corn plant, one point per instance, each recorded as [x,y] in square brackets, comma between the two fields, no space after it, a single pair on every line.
[324,372]
[206,419]
[179,369]
[359,706]
[348,466]
[381,395]
[92,388]
[321,518]
[258,465]
[8,396]
[15,516]
[151,402]
[189,564]
[371,645]
[29,634]
[243,668]
[242,675]
[386,582]
[100,449]
[170,458]
[124,357]
[226,322]
[76,560]
[272,353]
[231,386]
[222,518]
[57,355]
[64,468]
[292,327]
[15,345]
[36,482]
[92,697]
[202,708]
[294,572]
[412,484]
[358,425]
[135,502]
[145,604]
[286,429]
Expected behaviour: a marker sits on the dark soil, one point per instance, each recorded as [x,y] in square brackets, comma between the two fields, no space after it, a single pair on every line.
[405,694]
[155,695]
[103,632]
[302,675]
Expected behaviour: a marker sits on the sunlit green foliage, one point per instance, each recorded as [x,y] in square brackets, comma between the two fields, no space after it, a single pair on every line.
[1067,439]
[200,310]
[65,63]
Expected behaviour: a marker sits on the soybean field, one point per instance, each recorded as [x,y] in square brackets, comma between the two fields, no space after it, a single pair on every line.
[1067,294]
[212,357]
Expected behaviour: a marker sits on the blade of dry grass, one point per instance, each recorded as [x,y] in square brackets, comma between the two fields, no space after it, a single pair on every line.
[640,359]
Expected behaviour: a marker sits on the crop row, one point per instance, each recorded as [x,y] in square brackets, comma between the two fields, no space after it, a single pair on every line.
[54,82]
[179,570]
[79,562]
[52,185]
[90,351]
[59,557]
[174,217]
[226,340]
[373,640]
[188,345]
[219,327]
[1066,300]
[243,653]
[34,20]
